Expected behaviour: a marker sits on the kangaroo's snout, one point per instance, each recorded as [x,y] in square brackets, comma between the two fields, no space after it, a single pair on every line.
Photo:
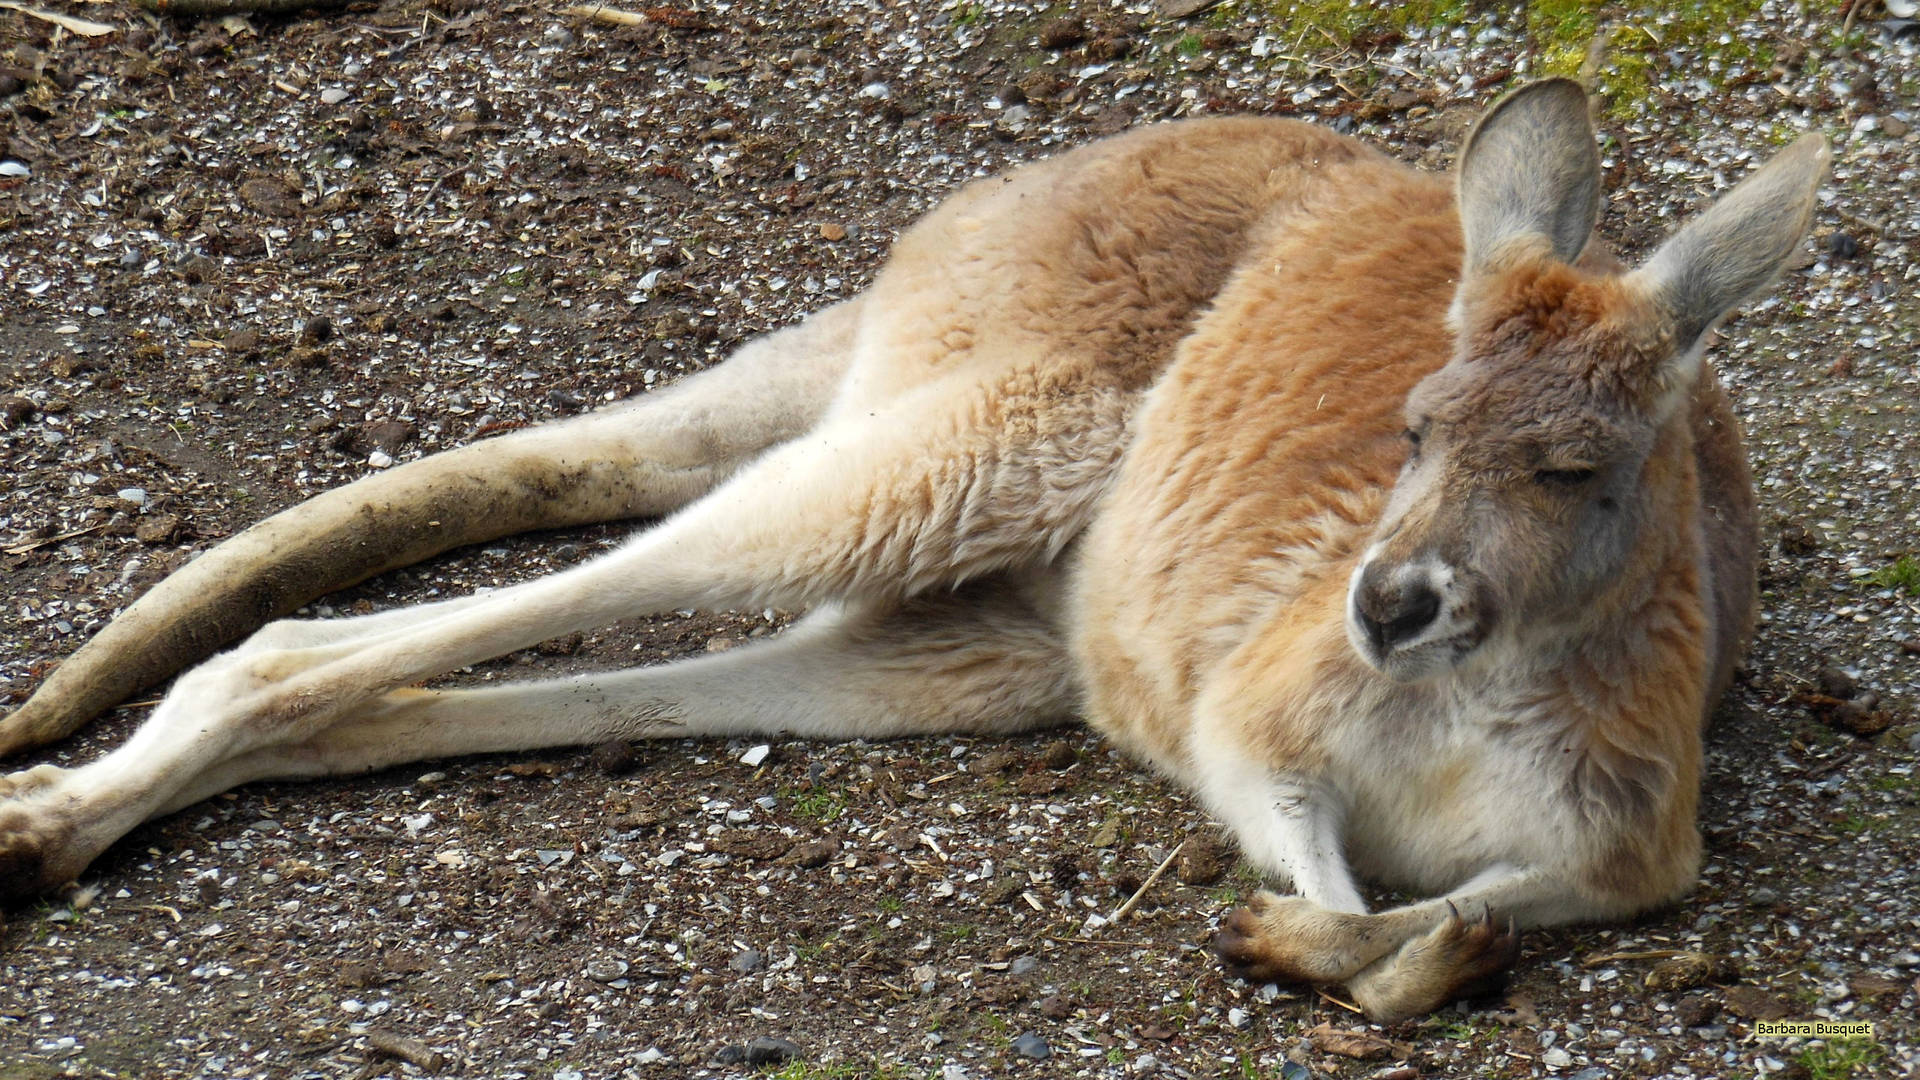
[1393,609]
[1412,618]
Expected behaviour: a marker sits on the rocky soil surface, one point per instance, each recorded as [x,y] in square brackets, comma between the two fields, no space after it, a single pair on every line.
[243,261]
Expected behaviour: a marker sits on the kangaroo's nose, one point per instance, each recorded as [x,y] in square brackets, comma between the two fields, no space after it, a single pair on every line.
[1394,611]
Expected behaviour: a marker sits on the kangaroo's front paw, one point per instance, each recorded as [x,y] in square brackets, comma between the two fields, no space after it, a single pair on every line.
[1293,939]
[1459,958]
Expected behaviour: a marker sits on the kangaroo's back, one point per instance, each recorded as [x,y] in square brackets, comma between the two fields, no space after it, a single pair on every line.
[1097,259]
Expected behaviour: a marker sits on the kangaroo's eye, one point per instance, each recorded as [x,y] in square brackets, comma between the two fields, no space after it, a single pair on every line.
[1413,441]
[1563,477]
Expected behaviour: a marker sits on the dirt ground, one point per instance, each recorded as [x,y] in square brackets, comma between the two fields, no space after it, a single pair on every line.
[244,261]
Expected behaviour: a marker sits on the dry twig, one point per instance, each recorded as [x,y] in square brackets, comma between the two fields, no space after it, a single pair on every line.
[1147,884]
[412,1051]
[83,27]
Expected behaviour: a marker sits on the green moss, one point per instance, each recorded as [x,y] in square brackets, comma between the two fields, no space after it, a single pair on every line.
[1903,574]
[1642,37]
[1641,41]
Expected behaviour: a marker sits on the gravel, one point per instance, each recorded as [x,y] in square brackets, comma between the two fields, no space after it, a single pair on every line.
[245,261]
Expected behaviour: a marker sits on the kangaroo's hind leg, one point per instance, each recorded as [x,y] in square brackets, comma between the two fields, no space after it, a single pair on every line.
[639,458]
[953,482]
[979,659]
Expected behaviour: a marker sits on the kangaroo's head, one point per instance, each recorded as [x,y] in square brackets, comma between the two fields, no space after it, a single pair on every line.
[1555,443]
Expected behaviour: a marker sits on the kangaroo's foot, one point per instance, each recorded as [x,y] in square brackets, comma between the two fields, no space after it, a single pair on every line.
[1293,939]
[36,830]
[1458,958]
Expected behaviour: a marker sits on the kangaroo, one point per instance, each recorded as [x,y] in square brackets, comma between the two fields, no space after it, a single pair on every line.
[1382,509]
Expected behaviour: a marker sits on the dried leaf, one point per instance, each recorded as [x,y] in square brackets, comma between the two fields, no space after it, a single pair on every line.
[1358,1045]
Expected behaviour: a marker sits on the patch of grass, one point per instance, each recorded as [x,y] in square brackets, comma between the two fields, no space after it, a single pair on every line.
[1340,22]
[969,14]
[892,904]
[1891,784]
[1852,825]
[1903,574]
[820,804]
[815,950]
[1188,45]
[1841,1059]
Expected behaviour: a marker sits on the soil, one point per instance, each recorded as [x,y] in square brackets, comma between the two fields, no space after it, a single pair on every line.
[245,260]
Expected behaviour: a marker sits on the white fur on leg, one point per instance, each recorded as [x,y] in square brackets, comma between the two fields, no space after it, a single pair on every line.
[1285,826]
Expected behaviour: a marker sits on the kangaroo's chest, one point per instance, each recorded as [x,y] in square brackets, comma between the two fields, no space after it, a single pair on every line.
[1437,790]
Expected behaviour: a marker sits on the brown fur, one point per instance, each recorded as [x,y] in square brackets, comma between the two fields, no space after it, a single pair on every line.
[1121,432]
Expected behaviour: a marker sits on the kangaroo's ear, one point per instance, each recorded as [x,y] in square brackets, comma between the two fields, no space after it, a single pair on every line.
[1740,244]
[1530,171]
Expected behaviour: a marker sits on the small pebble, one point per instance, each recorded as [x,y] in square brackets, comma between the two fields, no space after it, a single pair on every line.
[616,758]
[333,95]
[1032,1046]
[747,961]
[768,1050]
[606,970]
